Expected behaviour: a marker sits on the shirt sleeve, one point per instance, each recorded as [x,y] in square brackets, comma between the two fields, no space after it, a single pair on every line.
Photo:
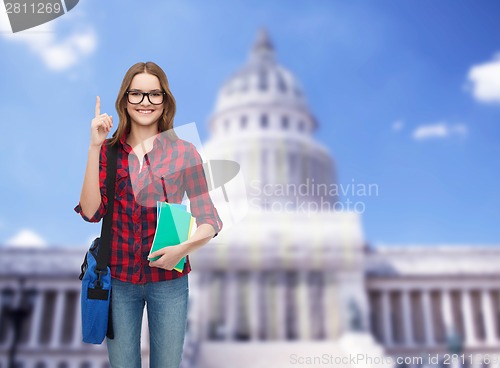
[101,210]
[202,207]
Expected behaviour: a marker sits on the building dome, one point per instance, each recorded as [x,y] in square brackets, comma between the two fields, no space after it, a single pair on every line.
[262,121]
[262,81]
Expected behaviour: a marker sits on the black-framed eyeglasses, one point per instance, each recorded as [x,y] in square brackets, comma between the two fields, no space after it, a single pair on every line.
[154,97]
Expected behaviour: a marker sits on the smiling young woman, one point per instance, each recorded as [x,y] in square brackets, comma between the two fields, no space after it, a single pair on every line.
[146,142]
[139,76]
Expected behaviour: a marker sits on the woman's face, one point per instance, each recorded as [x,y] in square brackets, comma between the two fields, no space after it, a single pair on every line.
[144,113]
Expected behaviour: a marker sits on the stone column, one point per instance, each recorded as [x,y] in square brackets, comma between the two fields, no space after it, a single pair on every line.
[281,305]
[470,333]
[331,307]
[77,330]
[386,318]
[254,305]
[488,317]
[447,311]
[57,325]
[205,305]
[428,318]
[271,305]
[230,304]
[407,317]
[36,321]
[303,310]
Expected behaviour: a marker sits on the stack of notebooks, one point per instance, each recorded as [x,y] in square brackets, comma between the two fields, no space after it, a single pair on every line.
[173,226]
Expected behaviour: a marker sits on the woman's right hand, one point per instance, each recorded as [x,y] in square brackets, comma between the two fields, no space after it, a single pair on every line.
[101,125]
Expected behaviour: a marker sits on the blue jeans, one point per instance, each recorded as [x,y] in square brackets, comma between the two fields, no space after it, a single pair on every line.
[167,306]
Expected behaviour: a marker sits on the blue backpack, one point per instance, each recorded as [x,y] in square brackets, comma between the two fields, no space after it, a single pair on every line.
[97,321]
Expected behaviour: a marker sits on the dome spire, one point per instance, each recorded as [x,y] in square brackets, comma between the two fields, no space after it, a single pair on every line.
[263,48]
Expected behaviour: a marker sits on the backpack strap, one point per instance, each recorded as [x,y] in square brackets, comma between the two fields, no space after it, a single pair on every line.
[104,252]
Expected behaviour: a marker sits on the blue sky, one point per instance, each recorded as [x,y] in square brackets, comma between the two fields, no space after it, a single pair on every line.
[406,93]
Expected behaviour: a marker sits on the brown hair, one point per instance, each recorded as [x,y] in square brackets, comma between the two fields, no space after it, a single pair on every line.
[166,121]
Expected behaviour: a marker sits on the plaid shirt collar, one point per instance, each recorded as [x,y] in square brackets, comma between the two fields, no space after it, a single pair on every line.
[161,138]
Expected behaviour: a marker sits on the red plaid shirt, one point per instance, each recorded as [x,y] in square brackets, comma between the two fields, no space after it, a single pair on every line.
[175,166]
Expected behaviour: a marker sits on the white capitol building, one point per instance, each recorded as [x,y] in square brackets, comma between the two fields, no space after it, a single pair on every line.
[292,283]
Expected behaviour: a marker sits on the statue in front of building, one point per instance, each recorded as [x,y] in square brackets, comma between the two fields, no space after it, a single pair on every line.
[355,318]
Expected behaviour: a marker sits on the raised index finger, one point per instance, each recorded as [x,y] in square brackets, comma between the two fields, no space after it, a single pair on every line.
[97,106]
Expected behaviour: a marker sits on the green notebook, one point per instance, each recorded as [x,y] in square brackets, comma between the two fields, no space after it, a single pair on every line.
[173,226]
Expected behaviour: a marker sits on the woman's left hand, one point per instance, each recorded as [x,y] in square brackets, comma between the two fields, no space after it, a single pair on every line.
[169,257]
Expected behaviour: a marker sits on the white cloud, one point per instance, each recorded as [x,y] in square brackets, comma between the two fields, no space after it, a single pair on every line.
[484,80]
[60,56]
[58,53]
[397,125]
[26,238]
[439,130]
